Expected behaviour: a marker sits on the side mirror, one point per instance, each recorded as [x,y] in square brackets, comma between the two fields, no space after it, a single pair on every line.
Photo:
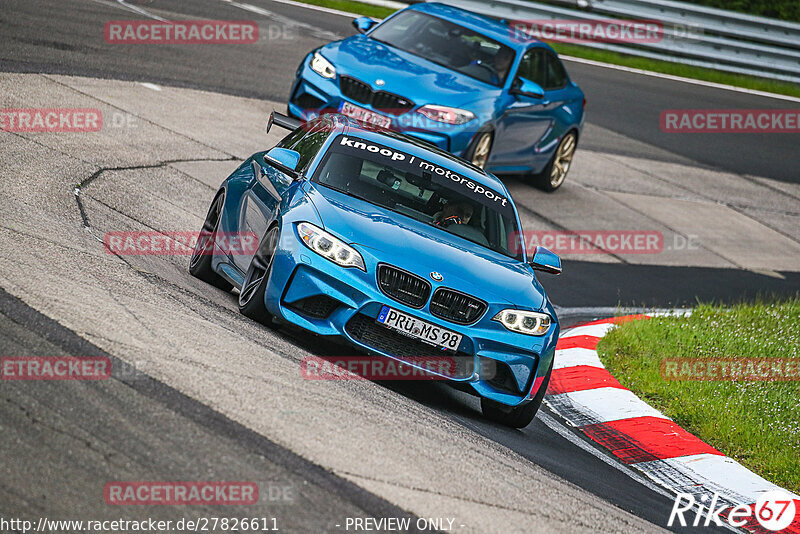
[525,87]
[364,24]
[284,160]
[545,261]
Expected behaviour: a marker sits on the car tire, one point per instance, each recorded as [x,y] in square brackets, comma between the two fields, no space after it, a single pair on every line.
[251,296]
[480,149]
[517,416]
[555,172]
[200,262]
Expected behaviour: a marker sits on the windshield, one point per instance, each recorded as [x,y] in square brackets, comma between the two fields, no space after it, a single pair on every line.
[421,190]
[447,44]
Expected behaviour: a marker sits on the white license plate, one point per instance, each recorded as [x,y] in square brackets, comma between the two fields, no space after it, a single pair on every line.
[419,329]
[364,115]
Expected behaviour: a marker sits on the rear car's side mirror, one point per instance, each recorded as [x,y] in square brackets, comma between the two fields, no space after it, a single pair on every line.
[545,261]
[284,160]
[364,24]
[525,87]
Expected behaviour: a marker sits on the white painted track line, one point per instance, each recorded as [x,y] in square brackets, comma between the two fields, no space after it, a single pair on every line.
[611,404]
[596,330]
[576,356]
[680,79]
[716,469]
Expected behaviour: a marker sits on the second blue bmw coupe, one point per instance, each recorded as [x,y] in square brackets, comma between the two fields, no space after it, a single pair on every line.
[395,246]
[461,81]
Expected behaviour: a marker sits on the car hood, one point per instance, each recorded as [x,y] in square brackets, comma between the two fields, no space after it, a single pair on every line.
[369,60]
[421,249]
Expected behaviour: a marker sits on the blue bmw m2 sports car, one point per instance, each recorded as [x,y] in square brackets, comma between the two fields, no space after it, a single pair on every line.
[461,81]
[395,246]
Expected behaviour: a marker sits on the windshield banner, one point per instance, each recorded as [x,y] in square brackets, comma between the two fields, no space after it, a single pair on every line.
[402,162]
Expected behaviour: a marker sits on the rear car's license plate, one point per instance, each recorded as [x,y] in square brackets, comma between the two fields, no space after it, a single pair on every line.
[419,329]
[365,115]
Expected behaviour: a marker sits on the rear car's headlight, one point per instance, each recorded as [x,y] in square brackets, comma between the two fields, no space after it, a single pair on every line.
[329,247]
[322,66]
[525,322]
[446,114]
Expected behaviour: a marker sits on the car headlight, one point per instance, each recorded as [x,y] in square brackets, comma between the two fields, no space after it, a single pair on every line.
[525,322]
[329,247]
[446,114]
[322,66]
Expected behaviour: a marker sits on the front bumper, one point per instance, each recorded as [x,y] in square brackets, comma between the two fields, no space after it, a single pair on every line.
[315,294]
[313,95]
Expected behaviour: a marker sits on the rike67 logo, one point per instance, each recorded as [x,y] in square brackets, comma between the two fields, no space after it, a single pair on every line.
[775,511]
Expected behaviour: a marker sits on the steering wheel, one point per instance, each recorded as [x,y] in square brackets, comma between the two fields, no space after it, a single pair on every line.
[495,75]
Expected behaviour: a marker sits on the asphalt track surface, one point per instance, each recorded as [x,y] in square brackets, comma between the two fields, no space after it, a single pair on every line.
[174,433]
[136,428]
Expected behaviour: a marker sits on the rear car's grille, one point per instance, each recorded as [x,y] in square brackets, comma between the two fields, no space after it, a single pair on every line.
[355,89]
[457,307]
[363,94]
[317,307]
[367,331]
[403,286]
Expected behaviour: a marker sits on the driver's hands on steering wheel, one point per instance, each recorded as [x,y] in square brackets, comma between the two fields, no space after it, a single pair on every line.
[447,221]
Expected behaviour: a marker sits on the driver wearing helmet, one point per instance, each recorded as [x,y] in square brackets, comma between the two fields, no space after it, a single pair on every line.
[453,213]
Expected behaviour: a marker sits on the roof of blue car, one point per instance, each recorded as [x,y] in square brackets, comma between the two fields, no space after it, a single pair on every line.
[494,28]
[419,148]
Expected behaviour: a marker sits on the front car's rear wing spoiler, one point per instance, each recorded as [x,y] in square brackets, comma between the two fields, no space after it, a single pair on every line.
[284,121]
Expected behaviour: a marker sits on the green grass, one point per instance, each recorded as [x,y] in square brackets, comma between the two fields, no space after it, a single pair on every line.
[360,8]
[664,67]
[756,423]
